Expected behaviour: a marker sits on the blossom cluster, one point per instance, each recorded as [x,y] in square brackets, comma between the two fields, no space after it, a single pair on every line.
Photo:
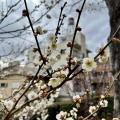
[35,95]
[67,116]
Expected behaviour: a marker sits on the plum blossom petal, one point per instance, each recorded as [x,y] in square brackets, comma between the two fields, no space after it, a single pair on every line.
[53,82]
[89,64]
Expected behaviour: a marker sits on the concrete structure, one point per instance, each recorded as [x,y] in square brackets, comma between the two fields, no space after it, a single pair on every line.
[79,52]
[79,49]
[9,83]
[101,77]
[12,77]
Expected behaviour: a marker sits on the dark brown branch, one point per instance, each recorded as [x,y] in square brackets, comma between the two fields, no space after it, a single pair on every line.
[26,103]
[9,113]
[39,49]
[74,35]
[60,20]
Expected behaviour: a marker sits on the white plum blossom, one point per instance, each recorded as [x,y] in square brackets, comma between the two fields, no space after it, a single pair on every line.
[116,119]
[103,58]
[39,30]
[102,119]
[8,104]
[53,82]
[55,93]
[103,103]
[46,67]
[105,53]
[32,95]
[67,57]
[40,94]
[38,84]
[60,79]
[76,98]
[53,46]
[36,60]
[1,106]
[43,87]
[73,112]
[58,74]
[61,115]
[47,50]
[38,108]
[52,61]
[50,37]
[92,109]
[102,96]
[89,64]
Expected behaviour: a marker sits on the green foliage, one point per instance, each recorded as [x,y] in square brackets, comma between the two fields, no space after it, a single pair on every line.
[108,111]
[61,106]
[67,106]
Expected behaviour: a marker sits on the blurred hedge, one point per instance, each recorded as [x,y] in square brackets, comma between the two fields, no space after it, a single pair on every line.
[61,106]
[108,111]
[65,105]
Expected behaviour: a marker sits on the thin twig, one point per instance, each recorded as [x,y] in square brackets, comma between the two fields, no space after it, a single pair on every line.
[75,32]
[39,49]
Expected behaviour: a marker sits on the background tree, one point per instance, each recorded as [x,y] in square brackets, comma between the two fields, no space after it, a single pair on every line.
[114,13]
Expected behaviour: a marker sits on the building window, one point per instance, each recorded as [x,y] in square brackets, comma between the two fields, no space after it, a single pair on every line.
[82,55]
[3,85]
[74,53]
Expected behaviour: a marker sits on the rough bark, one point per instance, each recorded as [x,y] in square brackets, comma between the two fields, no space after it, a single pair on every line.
[114,13]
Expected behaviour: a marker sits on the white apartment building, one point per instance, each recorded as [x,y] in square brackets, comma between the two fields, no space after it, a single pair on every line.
[79,49]
[79,52]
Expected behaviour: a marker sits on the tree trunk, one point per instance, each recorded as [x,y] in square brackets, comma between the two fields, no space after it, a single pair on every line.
[114,13]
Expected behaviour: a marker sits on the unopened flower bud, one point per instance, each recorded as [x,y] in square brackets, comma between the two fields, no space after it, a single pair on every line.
[58,69]
[64,15]
[69,44]
[24,13]
[67,57]
[65,2]
[77,10]
[35,49]
[39,30]
[116,40]
[85,73]
[78,28]
[73,62]
[65,67]
[48,16]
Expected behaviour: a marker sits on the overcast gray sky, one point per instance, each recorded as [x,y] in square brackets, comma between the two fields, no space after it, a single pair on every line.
[94,23]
